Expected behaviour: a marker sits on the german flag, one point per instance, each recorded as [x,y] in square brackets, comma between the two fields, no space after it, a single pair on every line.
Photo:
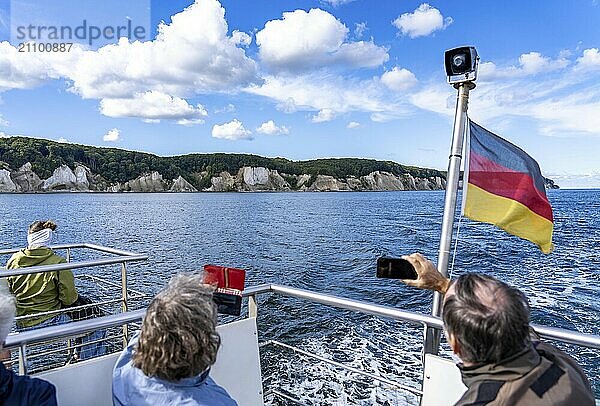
[505,187]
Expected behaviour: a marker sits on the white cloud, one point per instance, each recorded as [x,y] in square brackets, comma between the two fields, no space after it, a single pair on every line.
[306,40]
[559,101]
[569,115]
[532,63]
[579,181]
[336,3]
[353,125]
[590,59]
[241,38]
[113,135]
[230,108]
[399,79]
[191,55]
[64,140]
[233,130]
[359,29]
[153,105]
[3,122]
[187,122]
[270,128]
[328,92]
[421,22]
[25,70]
[323,116]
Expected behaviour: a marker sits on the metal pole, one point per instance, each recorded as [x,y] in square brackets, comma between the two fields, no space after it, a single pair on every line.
[23,359]
[125,305]
[432,336]
[252,306]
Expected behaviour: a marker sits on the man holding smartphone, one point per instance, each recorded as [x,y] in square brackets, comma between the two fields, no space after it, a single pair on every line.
[486,323]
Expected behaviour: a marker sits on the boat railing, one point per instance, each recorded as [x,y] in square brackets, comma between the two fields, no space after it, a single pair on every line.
[108,297]
[21,340]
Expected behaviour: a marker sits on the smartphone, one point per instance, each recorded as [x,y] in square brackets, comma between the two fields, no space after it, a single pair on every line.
[395,268]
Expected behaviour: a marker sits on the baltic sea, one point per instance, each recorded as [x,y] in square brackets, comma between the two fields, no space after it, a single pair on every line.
[328,242]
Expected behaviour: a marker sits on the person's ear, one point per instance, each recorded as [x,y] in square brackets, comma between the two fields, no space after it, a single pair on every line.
[454,345]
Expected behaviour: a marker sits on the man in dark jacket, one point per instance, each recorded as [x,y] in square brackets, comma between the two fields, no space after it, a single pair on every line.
[486,323]
[18,390]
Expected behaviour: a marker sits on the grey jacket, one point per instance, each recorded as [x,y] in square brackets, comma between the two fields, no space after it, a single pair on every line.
[539,375]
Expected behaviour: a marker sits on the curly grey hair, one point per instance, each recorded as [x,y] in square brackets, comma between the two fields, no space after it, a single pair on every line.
[179,338]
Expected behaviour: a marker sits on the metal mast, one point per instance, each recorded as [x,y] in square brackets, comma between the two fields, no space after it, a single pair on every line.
[461,68]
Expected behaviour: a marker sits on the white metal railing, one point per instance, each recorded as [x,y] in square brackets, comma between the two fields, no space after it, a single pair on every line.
[21,340]
[119,295]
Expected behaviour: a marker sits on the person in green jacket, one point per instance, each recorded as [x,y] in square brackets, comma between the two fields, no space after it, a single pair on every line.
[46,291]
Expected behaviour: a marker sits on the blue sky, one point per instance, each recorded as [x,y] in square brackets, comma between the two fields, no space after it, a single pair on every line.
[310,79]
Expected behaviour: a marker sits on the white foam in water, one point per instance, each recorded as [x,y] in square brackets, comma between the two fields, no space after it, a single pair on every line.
[391,350]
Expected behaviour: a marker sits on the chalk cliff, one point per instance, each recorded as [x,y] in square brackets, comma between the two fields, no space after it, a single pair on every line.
[247,179]
[26,179]
[182,185]
[6,183]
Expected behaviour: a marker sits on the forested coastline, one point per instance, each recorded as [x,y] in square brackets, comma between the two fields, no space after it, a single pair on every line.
[118,166]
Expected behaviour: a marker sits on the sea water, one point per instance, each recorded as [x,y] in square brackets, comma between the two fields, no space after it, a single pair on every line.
[329,242]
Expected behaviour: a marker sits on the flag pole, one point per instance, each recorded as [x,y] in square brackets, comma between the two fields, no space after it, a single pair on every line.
[432,335]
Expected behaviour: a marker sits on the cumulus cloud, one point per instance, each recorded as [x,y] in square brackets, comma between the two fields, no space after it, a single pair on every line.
[3,122]
[191,55]
[113,135]
[399,79]
[305,40]
[270,128]
[233,130]
[241,38]
[323,116]
[590,60]
[353,125]
[64,140]
[26,70]
[152,106]
[421,22]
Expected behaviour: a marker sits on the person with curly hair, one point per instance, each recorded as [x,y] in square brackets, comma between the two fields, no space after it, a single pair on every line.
[168,361]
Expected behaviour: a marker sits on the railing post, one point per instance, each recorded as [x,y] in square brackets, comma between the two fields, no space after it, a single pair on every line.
[68,254]
[125,305]
[252,306]
[22,359]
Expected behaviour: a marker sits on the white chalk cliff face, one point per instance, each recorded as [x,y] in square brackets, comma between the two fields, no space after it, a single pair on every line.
[257,179]
[182,185]
[62,178]
[6,183]
[81,178]
[326,183]
[255,176]
[26,179]
[247,179]
[222,183]
[150,182]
